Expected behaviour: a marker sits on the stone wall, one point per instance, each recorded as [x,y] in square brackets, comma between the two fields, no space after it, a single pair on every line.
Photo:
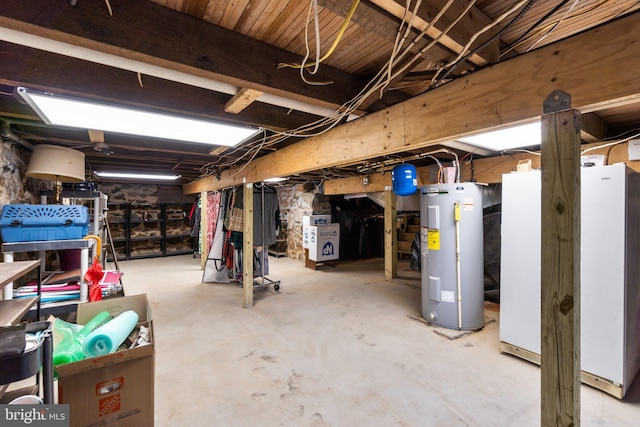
[15,187]
[295,202]
[136,194]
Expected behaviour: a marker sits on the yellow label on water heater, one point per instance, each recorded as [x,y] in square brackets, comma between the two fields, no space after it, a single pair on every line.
[433,239]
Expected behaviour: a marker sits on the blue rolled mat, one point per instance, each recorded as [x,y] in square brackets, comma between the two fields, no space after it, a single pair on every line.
[106,339]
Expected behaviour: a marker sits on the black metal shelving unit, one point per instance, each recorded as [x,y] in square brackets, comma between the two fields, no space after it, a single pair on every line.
[162,227]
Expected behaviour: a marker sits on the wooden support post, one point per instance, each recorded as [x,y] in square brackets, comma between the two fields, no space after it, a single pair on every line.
[204,248]
[560,275]
[390,235]
[247,245]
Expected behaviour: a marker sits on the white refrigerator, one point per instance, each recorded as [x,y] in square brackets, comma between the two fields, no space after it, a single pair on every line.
[609,273]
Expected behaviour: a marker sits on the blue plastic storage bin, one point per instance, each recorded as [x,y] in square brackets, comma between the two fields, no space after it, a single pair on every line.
[28,223]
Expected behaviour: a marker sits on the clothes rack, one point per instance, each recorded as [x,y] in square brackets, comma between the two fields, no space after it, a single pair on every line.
[264,252]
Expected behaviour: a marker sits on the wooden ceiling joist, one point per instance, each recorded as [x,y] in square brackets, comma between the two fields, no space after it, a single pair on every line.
[37,69]
[242,100]
[593,128]
[504,94]
[455,39]
[233,59]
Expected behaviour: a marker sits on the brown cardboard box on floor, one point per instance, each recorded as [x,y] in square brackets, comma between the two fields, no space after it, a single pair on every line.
[115,389]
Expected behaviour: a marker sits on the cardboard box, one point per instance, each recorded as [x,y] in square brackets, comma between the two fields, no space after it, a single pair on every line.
[115,389]
[309,220]
[324,242]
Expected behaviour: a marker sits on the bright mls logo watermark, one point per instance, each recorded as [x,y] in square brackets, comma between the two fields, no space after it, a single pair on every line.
[34,415]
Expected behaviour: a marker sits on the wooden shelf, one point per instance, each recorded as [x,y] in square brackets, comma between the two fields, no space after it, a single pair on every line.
[13,310]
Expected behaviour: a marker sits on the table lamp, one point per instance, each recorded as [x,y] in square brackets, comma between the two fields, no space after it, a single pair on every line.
[56,163]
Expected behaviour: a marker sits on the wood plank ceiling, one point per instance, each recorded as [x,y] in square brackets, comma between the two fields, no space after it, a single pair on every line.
[225,60]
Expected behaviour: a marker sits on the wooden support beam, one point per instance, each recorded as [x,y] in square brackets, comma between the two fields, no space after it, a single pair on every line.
[375,182]
[242,100]
[247,246]
[560,268]
[390,235]
[496,97]
[593,128]
[487,170]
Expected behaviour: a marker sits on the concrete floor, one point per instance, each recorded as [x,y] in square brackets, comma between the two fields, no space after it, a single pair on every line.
[335,347]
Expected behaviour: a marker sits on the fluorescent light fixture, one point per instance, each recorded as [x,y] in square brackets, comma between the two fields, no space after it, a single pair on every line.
[506,139]
[64,111]
[137,176]
[276,179]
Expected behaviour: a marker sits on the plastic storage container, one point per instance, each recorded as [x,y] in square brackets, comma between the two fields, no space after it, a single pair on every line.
[28,223]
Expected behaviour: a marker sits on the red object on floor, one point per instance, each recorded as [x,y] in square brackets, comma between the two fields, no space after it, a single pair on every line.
[93,276]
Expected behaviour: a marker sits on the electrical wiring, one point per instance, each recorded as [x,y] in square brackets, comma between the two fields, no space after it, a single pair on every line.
[333,47]
[252,157]
[514,44]
[399,41]
[313,5]
[487,28]
[433,41]
[452,66]
[535,153]
[550,25]
[439,165]
[321,126]
[620,135]
[610,144]
[557,24]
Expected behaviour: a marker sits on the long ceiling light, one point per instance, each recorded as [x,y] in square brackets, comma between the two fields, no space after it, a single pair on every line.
[507,139]
[137,176]
[63,111]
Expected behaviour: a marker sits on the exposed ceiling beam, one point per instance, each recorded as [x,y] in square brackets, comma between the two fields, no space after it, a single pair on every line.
[37,69]
[487,171]
[507,93]
[174,47]
[384,22]
[593,127]
[455,39]
[242,100]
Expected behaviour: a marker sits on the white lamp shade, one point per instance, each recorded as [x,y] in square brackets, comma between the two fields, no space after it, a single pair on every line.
[55,163]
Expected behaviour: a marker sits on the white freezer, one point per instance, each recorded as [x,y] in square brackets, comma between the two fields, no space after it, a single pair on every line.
[609,271]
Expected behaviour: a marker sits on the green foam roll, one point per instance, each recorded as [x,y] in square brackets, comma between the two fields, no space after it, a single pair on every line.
[70,348]
[106,339]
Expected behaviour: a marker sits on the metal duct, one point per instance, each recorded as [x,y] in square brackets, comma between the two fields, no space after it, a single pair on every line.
[8,136]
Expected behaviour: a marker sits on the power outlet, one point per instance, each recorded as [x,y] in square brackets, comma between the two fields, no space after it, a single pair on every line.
[634,149]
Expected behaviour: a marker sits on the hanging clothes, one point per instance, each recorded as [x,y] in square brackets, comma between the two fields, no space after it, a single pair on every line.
[213,207]
[260,261]
[266,215]
[194,218]
[215,269]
